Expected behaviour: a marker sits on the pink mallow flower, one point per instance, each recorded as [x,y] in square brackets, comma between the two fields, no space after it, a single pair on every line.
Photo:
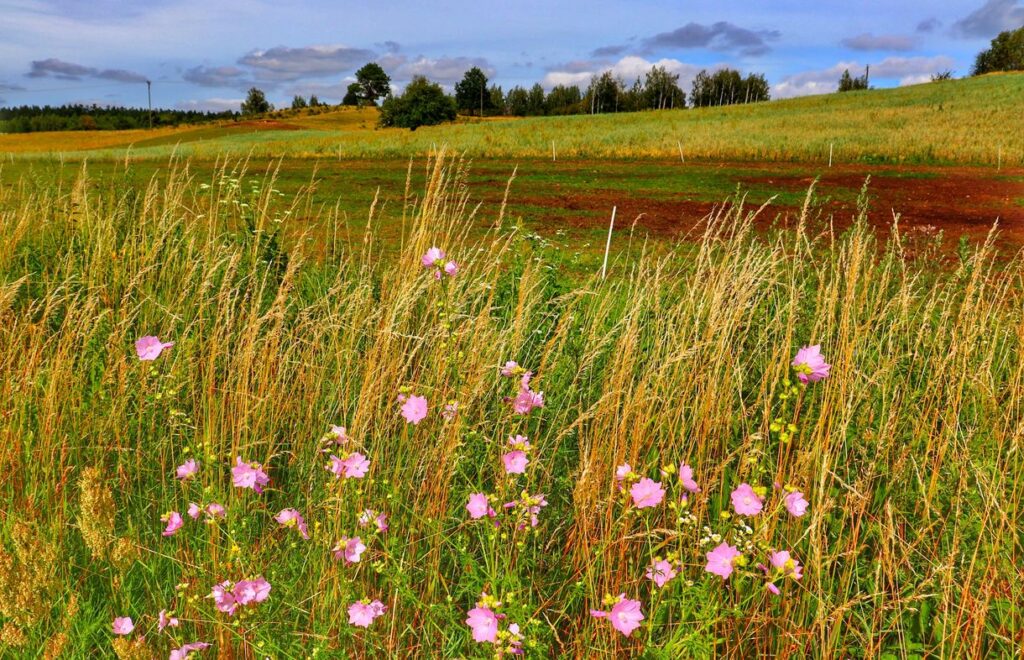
[622,475]
[686,478]
[349,549]
[432,257]
[647,493]
[510,369]
[722,559]
[186,650]
[194,510]
[165,620]
[340,434]
[484,624]
[362,612]
[745,501]
[353,466]
[249,475]
[149,348]
[379,519]
[123,625]
[451,268]
[187,469]
[251,591]
[796,503]
[784,563]
[479,507]
[660,572]
[625,615]
[215,510]
[414,410]
[527,400]
[516,460]
[174,522]
[810,365]
[292,518]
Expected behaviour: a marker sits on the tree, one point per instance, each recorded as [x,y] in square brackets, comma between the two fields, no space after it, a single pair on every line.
[518,102]
[298,103]
[848,83]
[314,102]
[1005,54]
[423,103]
[497,99]
[255,103]
[661,90]
[537,103]
[373,82]
[603,93]
[564,100]
[353,95]
[471,92]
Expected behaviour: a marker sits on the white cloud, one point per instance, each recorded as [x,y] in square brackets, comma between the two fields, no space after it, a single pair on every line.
[628,68]
[907,70]
[210,105]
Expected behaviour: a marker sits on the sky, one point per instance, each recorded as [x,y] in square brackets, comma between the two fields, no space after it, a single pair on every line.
[205,54]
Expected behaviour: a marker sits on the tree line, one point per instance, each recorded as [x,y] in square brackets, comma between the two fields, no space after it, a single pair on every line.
[81,117]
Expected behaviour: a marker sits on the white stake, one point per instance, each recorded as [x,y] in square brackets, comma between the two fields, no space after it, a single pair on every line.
[608,245]
[999,158]
[830,154]
[681,159]
[552,150]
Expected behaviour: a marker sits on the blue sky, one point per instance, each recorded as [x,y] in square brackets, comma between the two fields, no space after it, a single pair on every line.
[206,53]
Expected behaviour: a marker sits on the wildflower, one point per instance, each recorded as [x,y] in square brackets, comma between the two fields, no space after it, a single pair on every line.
[432,257]
[686,478]
[784,563]
[149,348]
[647,493]
[187,469]
[450,410]
[223,598]
[194,510]
[451,268]
[625,615]
[174,522]
[516,460]
[722,559]
[745,501]
[215,510]
[379,519]
[249,475]
[292,518]
[796,504]
[510,369]
[660,572]
[484,624]
[251,591]
[186,650]
[353,466]
[810,365]
[165,620]
[414,410]
[362,612]
[340,434]
[623,474]
[123,625]
[349,549]
[527,400]
[479,507]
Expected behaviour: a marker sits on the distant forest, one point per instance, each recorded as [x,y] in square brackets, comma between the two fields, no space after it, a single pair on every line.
[33,118]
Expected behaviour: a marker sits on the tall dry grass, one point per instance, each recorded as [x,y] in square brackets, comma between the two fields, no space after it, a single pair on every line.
[909,453]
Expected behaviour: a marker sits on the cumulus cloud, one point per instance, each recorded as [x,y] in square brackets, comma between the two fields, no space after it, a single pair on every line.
[929,25]
[282,63]
[62,70]
[990,19]
[906,70]
[628,68]
[211,105]
[216,76]
[721,36]
[440,69]
[868,41]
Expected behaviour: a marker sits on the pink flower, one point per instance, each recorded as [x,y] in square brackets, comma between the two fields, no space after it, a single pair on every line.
[414,410]
[451,268]
[432,257]
[625,615]
[174,522]
[720,560]
[123,625]
[479,507]
[527,400]
[647,493]
[380,519]
[194,510]
[249,475]
[796,504]
[450,410]
[340,434]
[362,613]
[353,466]
[772,588]
[786,565]
[484,624]
[215,510]
[251,591]
[510,369]
[349,549]
[164,620]
[622,474]
[186,650]
[686,478]
[223,598]
[810,364]
[660,572]
[745,501]
[187,469]
[292,518]
[149,348]
[515,461]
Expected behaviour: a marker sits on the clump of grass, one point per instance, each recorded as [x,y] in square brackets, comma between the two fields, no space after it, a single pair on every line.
[908,454]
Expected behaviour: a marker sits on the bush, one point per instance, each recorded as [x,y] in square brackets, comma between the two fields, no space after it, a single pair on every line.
[423,103]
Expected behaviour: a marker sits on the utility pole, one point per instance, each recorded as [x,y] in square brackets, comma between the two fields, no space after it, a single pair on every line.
[149,97]
[867,80]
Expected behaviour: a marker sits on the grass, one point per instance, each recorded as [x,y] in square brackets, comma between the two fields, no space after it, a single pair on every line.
[287,319]
[959,121]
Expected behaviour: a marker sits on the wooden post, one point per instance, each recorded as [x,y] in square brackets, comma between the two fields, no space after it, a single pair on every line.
[830,154]
[680,143]
[552,150]
[608,245]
